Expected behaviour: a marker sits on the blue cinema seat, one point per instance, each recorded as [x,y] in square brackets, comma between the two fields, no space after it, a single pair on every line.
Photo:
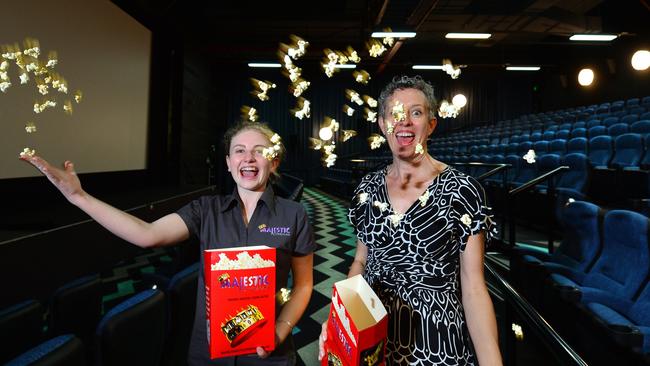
[581,244]
[620,270]
[133,332]
[641,127]
[577,145]
[601,149]
[597,131]
[628,151]
[76,308]
[64,350]
[618,129]
[21,328]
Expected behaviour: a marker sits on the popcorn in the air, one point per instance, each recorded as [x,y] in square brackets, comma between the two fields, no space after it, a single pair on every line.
[376,141]
[30,127]
[398,112]
[395,219]
[27,152]
[383,206]
[530,156]
[348,134]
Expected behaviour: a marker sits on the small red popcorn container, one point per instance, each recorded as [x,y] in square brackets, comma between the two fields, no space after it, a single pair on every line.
[240,300]
[357,326]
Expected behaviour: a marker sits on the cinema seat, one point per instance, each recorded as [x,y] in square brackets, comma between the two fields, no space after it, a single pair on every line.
[64,350]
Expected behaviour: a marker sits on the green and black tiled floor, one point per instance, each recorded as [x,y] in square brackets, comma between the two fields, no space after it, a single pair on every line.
[335,249]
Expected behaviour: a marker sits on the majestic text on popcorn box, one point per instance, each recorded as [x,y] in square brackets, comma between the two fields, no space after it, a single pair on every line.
[240,300]
[357,325]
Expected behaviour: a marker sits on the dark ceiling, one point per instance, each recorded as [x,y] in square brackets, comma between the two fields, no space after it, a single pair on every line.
[523,31]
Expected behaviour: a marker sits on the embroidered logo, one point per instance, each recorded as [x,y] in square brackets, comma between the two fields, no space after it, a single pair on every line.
[275,230]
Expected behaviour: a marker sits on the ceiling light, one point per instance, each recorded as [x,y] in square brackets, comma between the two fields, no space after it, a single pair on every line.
[459,100]
[393,34]
[427,67]
[586,77]
[325,133]
[264,64]
[468,35]
[641,60]
[593,37]
[523,68]
[345,66]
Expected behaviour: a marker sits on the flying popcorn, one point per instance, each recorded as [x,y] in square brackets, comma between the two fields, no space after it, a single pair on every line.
[383,206]
[330,160]
[363,197]
[389,127]
[304,110]
[372,103]
[424,198]
[353,56]
[315,144]
[361,76]
[300,87]
[27,152]
[348,134]
[419,149]
[375,48]
[353,96]
[371,116]
[530,156]
[395,219]
[30,127]
[398,112]
[448,110]
[348,110]
[376,141]
[249,113]
[450,69]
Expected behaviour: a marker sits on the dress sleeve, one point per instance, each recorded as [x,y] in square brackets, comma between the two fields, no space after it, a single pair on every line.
[191,215]
[474,214]
[305,242]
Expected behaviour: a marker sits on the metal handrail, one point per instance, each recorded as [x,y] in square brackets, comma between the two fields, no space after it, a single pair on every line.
[558,346]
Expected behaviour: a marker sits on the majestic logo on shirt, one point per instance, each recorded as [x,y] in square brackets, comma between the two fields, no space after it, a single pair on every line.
[275,230]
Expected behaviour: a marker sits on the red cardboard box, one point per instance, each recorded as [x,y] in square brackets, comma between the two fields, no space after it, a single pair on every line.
[357,325]
[240,300]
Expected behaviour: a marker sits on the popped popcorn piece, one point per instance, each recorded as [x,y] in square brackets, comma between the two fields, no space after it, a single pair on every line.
[30,127]
[330,160]
[348,110]
[27,152]
[376,141]
[395,219]
[465,219]
[383,206]
[363,197]
[375,48]
[389,128]
[372,103]
[419,149]
[275,138]
[424,198]
[348,134]
[398,111]
[371,116]
[530,156]
[243,261]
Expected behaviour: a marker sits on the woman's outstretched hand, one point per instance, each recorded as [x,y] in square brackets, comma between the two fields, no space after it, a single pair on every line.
[65,180]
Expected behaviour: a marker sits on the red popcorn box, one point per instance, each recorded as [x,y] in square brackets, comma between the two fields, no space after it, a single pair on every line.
[357,326]
[240,300]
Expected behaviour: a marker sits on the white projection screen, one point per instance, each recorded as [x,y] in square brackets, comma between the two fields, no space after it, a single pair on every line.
[103,52]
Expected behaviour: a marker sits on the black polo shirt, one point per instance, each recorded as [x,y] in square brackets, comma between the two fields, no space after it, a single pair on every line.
[217,221]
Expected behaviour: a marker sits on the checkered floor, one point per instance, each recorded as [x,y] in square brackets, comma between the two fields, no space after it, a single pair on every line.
[336,245]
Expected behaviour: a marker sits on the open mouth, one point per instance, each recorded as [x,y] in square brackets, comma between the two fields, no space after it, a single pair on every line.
[405,138]
[249,172]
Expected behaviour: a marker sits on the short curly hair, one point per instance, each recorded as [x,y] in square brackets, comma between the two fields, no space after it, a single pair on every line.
[407,82]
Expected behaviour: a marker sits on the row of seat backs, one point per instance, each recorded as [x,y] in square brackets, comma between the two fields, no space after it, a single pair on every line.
[606,255]
[74,311]
[468,145]
[628,151]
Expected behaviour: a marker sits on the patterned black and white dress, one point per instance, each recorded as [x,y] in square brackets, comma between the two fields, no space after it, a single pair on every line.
[414,261]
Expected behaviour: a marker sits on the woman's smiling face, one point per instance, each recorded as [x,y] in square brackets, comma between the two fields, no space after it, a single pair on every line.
[246,162]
